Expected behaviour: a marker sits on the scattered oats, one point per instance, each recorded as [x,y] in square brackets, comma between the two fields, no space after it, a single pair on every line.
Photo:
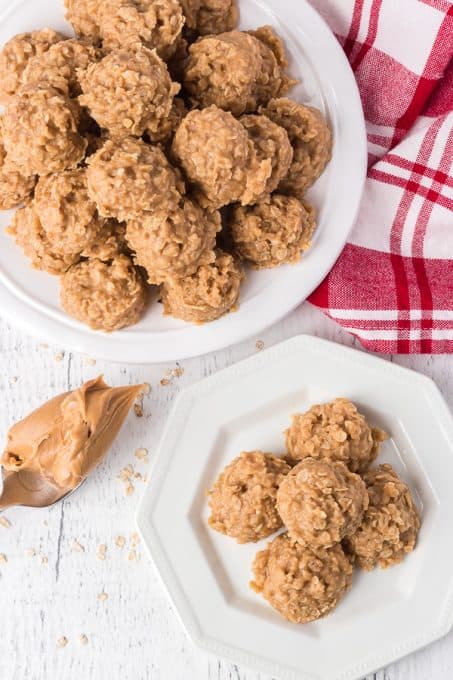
[145,477]
[14,379]
[89,361]
[4,522]
[77,547]
[83,639]
[43,345]
[132,555]
[30,552]
[177,372]
[259,344]
[165,381]
[120,541]
[44,559]
[135,539]
[102,549]
[3,558]
[137,475]
[138,410]
[126,473]
[146,389]
[103,596]
[62,641]
[59,356]
[142,454]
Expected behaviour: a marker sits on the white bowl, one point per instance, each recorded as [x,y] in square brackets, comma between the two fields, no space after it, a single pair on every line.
[30,298]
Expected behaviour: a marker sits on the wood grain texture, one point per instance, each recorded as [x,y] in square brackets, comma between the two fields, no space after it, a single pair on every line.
[134,634]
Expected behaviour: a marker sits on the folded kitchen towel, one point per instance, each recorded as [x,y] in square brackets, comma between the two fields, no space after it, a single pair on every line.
[393,284]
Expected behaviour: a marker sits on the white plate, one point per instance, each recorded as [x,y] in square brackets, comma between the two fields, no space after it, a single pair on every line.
[30,298]
[386,614]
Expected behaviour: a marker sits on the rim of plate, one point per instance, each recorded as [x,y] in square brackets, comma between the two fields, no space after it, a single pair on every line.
[341,96]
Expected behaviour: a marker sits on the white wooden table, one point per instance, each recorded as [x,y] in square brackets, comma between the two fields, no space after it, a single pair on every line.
[49,590]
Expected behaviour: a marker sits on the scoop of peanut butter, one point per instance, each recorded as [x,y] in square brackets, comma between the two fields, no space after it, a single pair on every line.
[65,438]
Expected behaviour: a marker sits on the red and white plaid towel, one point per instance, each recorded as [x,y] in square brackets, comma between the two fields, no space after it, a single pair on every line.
[393,284]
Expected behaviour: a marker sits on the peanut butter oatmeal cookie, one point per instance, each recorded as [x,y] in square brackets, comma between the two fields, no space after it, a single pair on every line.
[321,502]
[235,71]
[216,16]
[219,158]
[157,24]
[301,583]
[15,188]
[174,243]
[311,139]
[272,80]
[390,526]
[60,66]
[16,54]
[105,295]
[69,217]
[271,142]
[272,232]
[206,295]
[128,92]
[222,70]
[242,500]
[128,177]
[28,232]
[40,132]
[334,431]
[272,40]
[85,16]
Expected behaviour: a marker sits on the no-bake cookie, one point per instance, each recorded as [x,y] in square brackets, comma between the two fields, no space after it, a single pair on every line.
[17,53]
[243,499]
[61,66]
[105,295]
[40,131]
[29,234]
[334,431]
[390,524]
[300,582]
[235,71]
[206,295]
[272,232]
[155,23]
[219,158]
[128,91]
[311,138]
[321,502]
[15,187]
[127,178]
[174,243]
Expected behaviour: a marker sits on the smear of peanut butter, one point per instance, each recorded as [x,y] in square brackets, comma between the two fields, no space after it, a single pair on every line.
[65,438]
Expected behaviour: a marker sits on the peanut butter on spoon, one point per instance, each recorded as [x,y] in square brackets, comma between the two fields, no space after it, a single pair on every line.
[51,451]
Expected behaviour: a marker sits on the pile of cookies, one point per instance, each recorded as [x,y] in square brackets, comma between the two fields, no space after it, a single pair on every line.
[155,148]
[336,510]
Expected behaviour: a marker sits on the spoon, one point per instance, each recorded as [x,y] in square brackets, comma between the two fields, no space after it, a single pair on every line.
[30,489]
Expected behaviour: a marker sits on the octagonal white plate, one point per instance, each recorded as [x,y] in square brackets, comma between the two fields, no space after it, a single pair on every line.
[30,298]
[386,614]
